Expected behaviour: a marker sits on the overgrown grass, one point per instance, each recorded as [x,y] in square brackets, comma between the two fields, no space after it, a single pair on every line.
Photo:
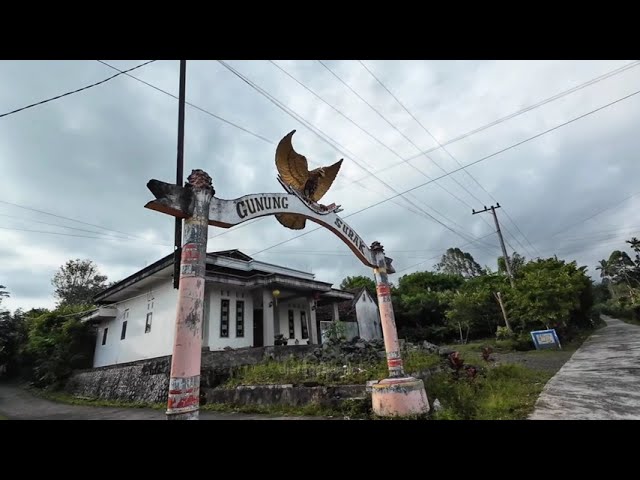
[292,371]
[61,397]
[351,408]
[504,392]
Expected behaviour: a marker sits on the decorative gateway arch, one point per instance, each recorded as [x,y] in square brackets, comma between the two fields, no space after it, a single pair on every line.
[398,395]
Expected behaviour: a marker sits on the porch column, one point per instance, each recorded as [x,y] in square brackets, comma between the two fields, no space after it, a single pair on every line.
[335,315]
[313,324]
[268,319]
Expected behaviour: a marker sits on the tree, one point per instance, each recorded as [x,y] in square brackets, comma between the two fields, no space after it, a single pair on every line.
[3,292]
[457,262]
[357,282]
[57,343]
[551,294]
[77,282]
[516,262]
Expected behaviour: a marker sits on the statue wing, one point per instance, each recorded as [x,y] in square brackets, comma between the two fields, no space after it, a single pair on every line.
[324,183]
[292,166]
[291,220]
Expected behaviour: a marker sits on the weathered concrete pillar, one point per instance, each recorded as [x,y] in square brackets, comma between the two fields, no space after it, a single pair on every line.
[268,321]
[398,395]
[313,322]
[184,383]
[335,314]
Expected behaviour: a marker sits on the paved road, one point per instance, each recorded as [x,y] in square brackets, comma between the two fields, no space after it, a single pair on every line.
[601,381]
[17,404]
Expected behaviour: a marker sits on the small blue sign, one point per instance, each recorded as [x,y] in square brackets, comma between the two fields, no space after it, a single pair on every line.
[546,339]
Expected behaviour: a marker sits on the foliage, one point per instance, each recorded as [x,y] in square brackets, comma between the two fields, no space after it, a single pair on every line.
[503,392]
[77,282]
[12,337]
[57,342]
[3,293]
[335,331]
[357,282]
[503,333]
[300,372]
[516,262]
[457,262]
[550,293]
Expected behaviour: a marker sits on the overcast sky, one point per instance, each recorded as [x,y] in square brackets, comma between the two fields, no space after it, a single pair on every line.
[88,156]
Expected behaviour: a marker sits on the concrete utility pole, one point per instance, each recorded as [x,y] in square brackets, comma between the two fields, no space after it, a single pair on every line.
[504,249]
[398,395]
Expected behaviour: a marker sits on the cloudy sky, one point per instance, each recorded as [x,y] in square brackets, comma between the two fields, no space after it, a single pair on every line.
[88,157]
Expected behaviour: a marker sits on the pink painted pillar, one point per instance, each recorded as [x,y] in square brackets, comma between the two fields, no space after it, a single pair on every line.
[399,395]
[184,383]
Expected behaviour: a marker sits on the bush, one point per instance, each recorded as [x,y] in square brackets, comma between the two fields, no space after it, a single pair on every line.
[503,333]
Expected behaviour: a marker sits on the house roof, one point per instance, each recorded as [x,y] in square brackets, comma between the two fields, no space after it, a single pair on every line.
[346,308]
[231,267]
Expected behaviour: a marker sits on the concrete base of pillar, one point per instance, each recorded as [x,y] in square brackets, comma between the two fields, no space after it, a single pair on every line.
[190,415]
[399,397]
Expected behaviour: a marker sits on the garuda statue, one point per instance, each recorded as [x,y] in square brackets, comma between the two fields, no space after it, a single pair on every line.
[309,186]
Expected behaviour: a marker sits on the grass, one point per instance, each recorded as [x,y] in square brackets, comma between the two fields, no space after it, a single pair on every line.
[3,417]
[503,392]
[352,408]
[297,372]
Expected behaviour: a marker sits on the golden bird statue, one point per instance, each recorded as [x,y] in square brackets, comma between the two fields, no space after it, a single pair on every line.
[294,171]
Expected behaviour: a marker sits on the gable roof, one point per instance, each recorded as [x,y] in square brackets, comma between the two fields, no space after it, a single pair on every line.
[237,254]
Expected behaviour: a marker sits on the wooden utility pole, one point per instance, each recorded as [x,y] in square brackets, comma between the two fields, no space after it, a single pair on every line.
[179,172]
[504,249]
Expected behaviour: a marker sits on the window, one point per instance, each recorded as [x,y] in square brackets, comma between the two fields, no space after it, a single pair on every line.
[104,336]
[125,315]
[147,325]
[303,324]
[224,318]
[239,318]
[292,328]
[124,330]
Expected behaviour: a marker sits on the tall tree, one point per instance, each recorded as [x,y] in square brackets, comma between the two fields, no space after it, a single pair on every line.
[357,282]
[3,292]
[516,262]
[77,282]
[457,262]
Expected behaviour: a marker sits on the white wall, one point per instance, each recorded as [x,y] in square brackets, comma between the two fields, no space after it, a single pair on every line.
[160,299]
[214,295]
[368,317]
[297,305]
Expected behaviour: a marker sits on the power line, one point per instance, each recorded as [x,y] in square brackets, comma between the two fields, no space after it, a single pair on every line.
[376,139]
[74,91]
[517,113]
[436,256]
[536,105]
[440,145]
[76,235]
[595,214]
[218,117]
[57,225]
[70,219]
[469,165]
[327,140]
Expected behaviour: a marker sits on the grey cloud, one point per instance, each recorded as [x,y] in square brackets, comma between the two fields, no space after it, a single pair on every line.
[90,155]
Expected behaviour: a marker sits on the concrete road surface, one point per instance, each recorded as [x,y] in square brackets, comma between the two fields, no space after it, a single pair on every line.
[18,404]
[601,381]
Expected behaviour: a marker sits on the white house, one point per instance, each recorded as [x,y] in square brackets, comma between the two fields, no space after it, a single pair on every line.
[247,304]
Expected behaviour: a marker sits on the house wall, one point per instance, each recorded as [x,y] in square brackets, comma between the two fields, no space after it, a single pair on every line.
[160,300]
[213,309]
[297,305]
[368,317]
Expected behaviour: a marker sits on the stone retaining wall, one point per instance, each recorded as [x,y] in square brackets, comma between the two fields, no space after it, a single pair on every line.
[148,380]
